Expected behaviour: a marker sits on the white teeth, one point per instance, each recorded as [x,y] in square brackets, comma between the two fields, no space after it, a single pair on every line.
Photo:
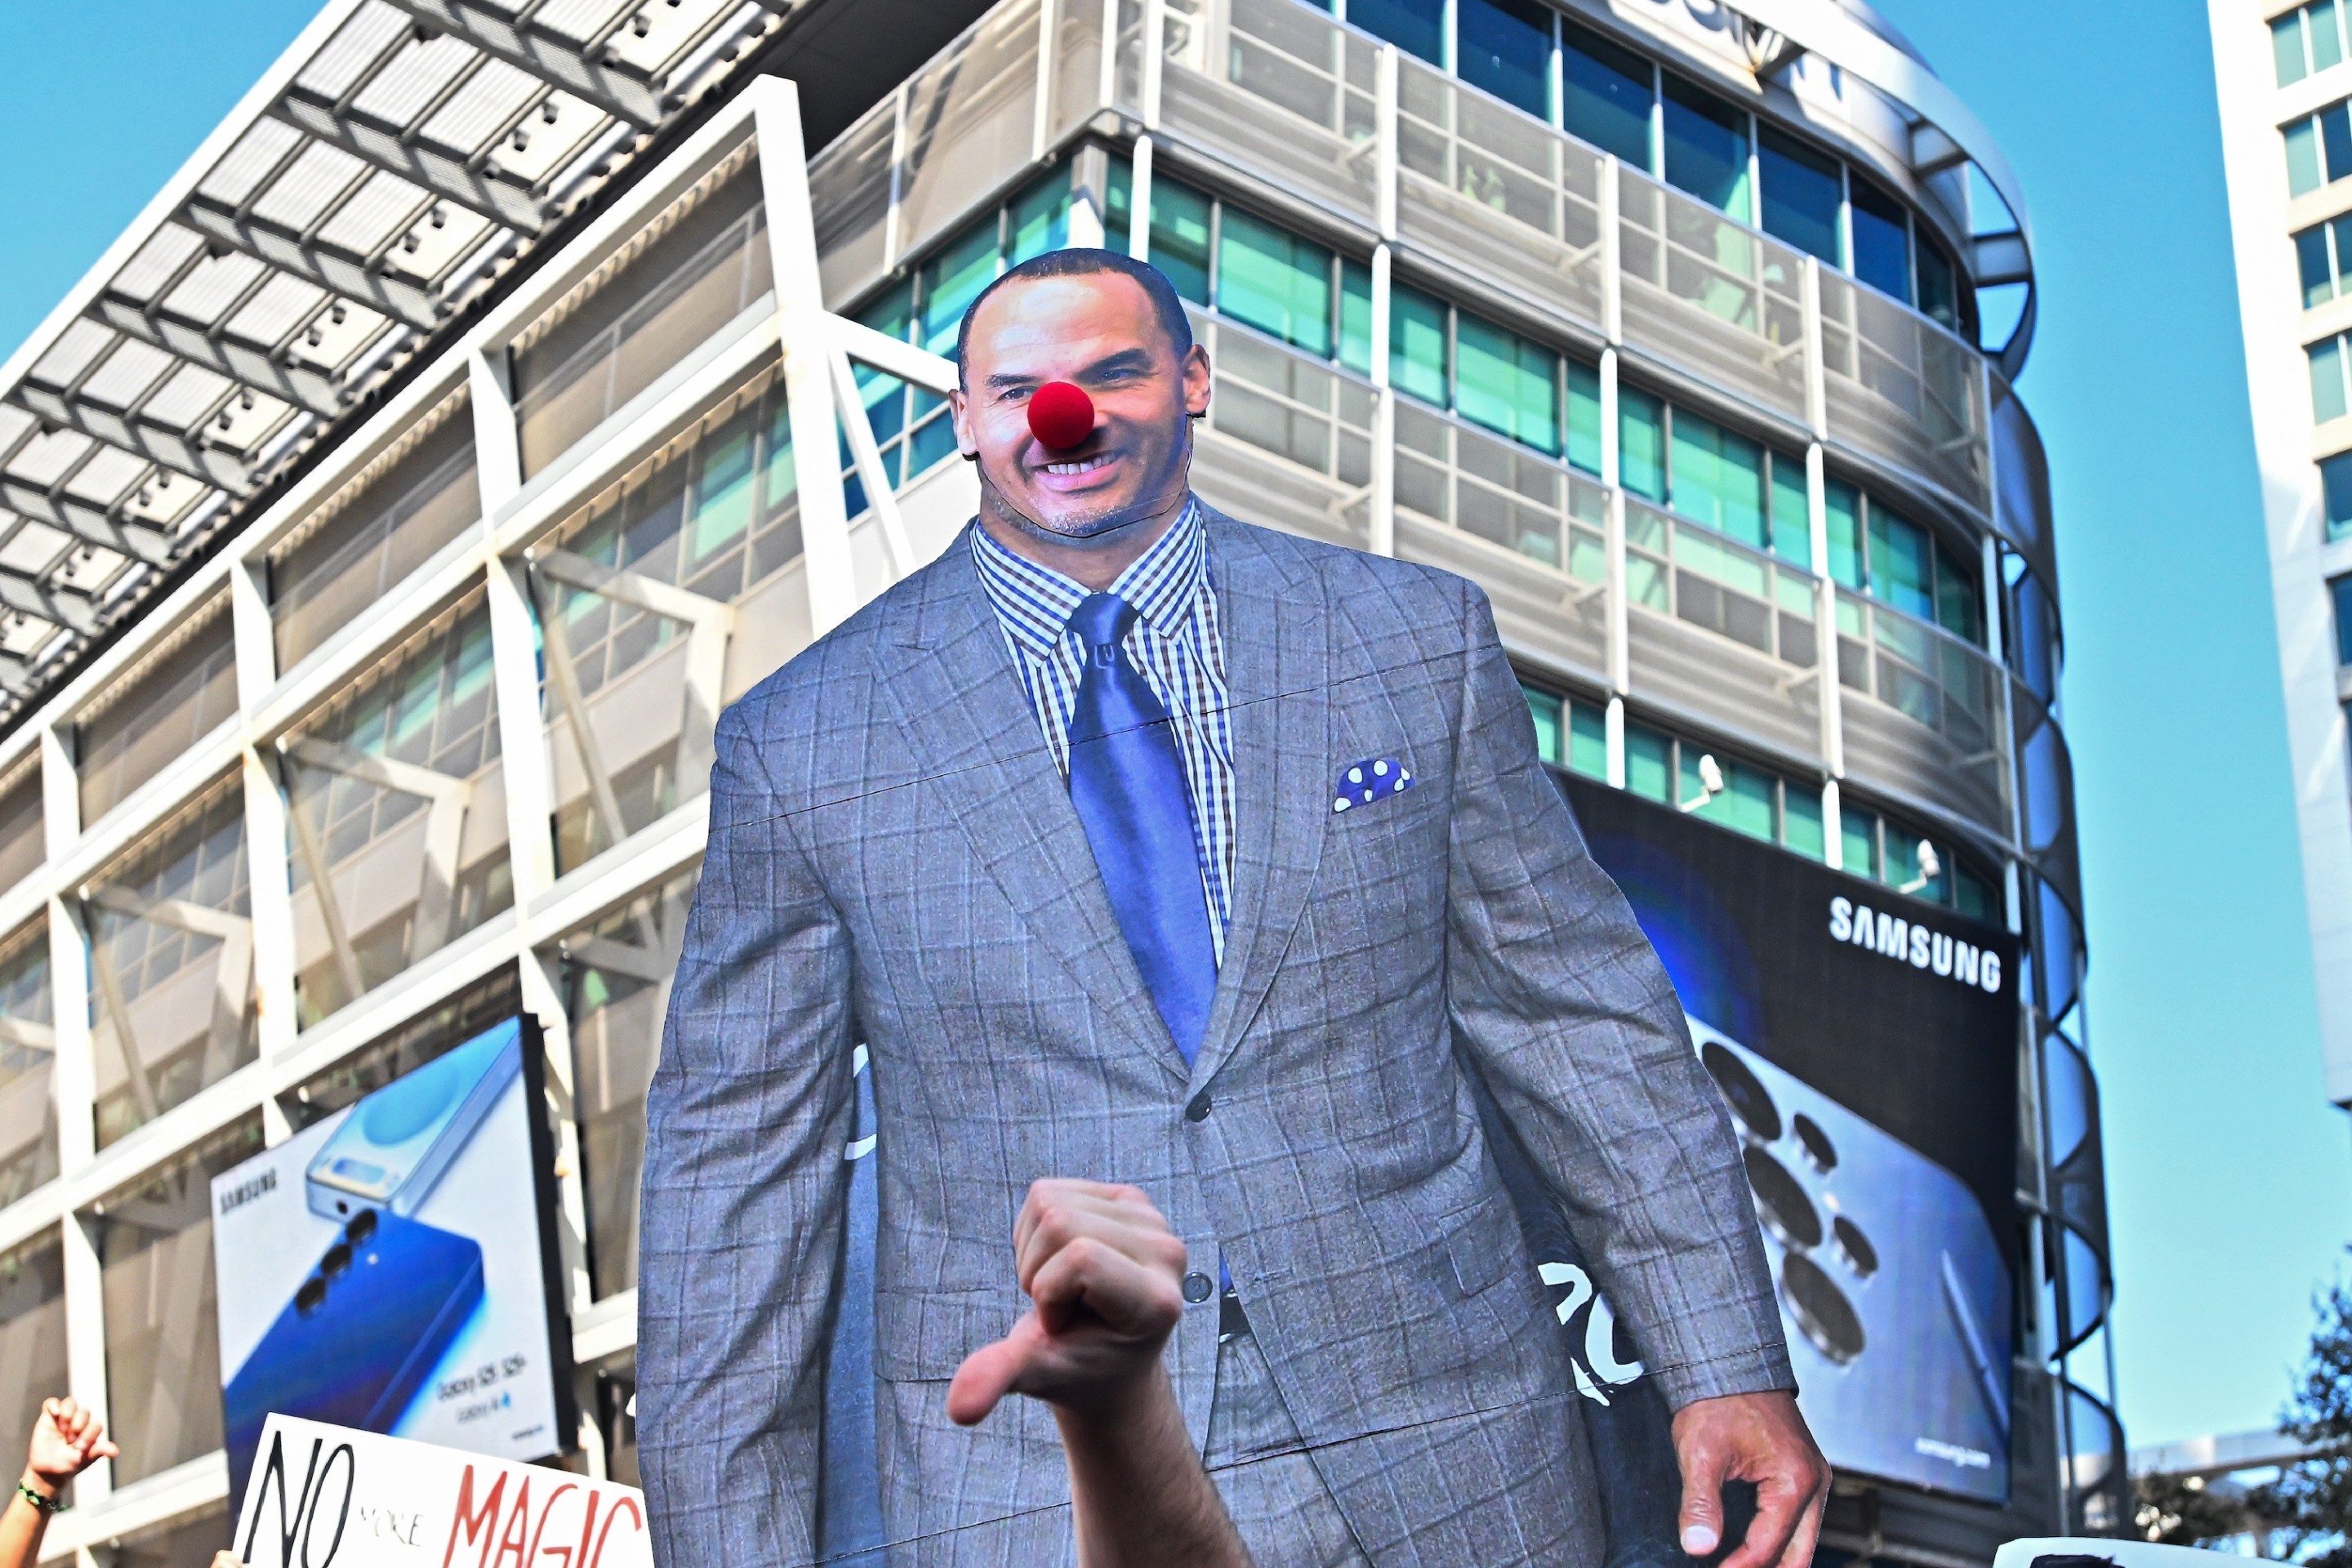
[1084,465]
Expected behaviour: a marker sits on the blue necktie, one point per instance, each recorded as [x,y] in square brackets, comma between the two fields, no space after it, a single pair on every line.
[1127,780]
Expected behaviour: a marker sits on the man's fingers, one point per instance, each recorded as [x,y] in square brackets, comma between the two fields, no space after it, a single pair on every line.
[1700,1524]
[1131,1298]
[986,1376]
[1781,1508]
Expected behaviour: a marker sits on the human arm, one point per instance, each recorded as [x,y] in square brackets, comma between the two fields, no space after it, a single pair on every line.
[1103,1270]
[66,1440]
[747,1122]
[1564,1011]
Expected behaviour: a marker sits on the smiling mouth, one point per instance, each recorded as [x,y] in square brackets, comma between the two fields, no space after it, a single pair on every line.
[1079,465]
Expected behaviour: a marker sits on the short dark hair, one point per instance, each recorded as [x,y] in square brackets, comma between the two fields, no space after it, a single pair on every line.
[1086,262]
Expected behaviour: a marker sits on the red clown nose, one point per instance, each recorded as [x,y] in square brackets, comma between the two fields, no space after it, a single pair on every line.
[1061,414]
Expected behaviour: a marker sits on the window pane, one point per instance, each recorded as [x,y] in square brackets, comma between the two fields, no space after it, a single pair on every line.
[28,1120]
[1641,442]
[1505,47]
[1744,804]
[1507,383]
[2336,137]
[2335,487]
[2286,47]
[1706,147]
[2326,43]
[1649,762]
[1416,26]
[1842,504]
[2311,262]
[1606,95]
[1718,478]
[1858,838]
[1417,344]
[1882,241]
[1802,192]
[1588,741]
[1041,218]
[1180,237]
[154,1249]
[2327,380]
[1899,572]
[1792,528]
[1276,281]
[152,717]
[952,280]
[2339,593]
[1584,416]
[1800,821]
[1548,712]
[616,984]
[1356,316]
[1958,610]
[1939,284]
[2301,158]
[1975,897]
[2341,235]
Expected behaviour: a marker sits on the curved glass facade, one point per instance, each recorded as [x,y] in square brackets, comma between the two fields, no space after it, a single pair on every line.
[1658,333]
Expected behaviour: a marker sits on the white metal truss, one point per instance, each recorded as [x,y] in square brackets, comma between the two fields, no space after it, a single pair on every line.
[395,161]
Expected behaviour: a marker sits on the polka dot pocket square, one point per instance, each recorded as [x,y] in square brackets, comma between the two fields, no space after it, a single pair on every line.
[1373,779]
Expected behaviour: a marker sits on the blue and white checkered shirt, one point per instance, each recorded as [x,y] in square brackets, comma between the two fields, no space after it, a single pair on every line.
[1175,644]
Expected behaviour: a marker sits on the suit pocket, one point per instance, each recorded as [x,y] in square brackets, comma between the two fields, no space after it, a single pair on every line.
[923,1336]
[1481,1247]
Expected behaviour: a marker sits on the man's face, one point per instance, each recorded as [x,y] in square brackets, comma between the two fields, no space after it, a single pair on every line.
[1099,332]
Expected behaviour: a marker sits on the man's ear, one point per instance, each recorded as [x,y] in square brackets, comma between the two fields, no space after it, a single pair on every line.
[1197,381]
[960,416]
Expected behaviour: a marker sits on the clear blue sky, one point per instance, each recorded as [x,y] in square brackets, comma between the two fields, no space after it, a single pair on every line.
[2231,1179]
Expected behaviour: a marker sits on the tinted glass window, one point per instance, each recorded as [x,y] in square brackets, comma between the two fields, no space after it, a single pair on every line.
[1180,237]
[2326,380]
[1505,47]
[2301,158]
[1416,26]
[1939,285]
[1417,344]
[2336,137]
[1274,281]
[1802,190]
[2340,593]
[1706,147]
[1605,94]
[1584,416]
[1507,383]
[1842,504]
[1641,443]
[1718,478]
[1881,240]
[2335,487]
[2286,47]
[2311,261]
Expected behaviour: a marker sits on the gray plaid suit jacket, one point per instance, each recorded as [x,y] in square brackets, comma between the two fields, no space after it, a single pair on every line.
[894,859]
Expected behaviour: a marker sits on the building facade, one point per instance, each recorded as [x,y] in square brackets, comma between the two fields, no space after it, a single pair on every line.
[2286,143]
[392,511]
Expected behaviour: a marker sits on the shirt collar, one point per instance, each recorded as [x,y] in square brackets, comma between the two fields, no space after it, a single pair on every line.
[1035,603]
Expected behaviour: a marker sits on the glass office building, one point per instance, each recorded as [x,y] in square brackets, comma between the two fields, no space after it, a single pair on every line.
[387,516]
[2286,144]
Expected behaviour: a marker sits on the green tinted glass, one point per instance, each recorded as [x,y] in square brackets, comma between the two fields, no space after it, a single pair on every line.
[2326,380]
[1417,344]
[1584,416]
[1548,712]
[2301,158]
[2286,47]
[1858,839]
[1588,741]
[1800,821]
[1356,316]
[1180,237]
[1641,442]
[1649,762]
[1274,280]
[1899,569]
[1718,477]
[1506,382]
[1842,505]
[1792,527]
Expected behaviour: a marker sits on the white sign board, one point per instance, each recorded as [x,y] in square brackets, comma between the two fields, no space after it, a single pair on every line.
[334,1497]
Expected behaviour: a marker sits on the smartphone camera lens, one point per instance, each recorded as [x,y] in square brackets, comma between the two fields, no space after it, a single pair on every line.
[1751,1104]
[1820,1152]
[1859,1255]
[311,1296]
[338,1261]
[1787,1212]
[361,1227]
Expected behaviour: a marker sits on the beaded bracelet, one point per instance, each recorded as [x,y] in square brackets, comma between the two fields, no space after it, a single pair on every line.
[46,1504]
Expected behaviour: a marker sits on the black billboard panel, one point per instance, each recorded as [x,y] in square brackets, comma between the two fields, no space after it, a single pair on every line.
[1867,1043]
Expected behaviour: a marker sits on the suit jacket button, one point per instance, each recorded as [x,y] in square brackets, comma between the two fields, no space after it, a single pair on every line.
[1199,1109]
[1197,1287]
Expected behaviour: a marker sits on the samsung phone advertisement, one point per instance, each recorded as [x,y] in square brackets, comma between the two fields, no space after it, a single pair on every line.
[390,1267]
[1866,1046]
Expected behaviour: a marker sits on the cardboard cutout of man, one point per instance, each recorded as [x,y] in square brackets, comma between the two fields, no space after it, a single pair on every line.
[1141,845]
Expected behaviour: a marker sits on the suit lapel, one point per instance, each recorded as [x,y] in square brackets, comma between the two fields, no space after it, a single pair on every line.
[961,703]
[1277,633]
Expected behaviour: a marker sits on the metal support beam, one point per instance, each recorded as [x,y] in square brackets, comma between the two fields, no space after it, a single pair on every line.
[452,178]
[399,298]
[180,452]
[497,34]
[303,385]
[85,523]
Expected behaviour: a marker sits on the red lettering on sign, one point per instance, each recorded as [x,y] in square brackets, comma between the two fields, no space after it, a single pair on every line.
[546,1512]
[478,1523]
[518,1528]
[636,1517]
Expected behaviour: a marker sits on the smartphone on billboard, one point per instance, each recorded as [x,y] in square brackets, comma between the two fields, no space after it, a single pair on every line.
[394,1146]
[361,1335]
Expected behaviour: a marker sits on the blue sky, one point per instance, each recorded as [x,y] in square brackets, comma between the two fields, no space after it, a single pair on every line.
[2231,1178]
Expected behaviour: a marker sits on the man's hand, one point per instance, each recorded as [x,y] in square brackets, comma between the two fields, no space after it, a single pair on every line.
[1757,1437]
[66,1440]
[1103,1274]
